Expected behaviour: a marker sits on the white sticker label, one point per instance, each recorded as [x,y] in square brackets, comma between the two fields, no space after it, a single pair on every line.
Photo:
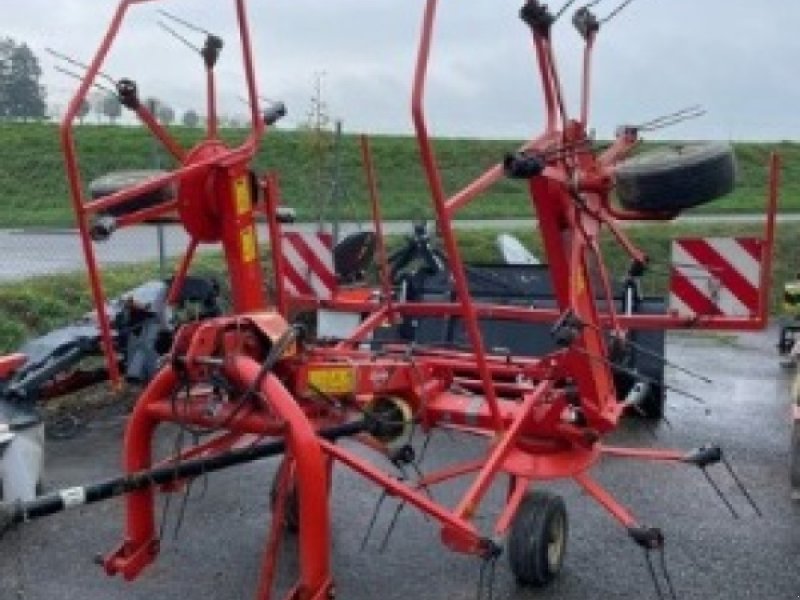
[73,497]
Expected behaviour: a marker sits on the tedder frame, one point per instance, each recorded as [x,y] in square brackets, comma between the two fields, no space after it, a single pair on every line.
[254,386]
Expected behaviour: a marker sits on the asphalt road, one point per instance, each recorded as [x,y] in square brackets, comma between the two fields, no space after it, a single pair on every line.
[31,252]
[710,554]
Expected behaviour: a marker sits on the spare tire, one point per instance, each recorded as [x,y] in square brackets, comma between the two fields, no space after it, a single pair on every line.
[672,179]
[116,181]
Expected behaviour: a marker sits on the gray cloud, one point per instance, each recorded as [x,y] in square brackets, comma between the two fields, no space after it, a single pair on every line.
[736,58]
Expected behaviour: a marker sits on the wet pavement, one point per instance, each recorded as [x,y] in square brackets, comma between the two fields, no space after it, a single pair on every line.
[32,252]
[709,554]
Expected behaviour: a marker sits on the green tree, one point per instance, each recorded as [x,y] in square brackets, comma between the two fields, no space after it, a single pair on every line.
[21,94]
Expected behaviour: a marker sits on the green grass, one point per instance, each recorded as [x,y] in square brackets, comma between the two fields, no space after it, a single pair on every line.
[37,305]
[33,190]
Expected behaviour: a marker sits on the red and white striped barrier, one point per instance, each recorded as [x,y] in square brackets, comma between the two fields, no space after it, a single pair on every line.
[308,264]
[716,276]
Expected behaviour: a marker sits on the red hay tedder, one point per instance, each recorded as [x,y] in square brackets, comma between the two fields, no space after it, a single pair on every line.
[252,375]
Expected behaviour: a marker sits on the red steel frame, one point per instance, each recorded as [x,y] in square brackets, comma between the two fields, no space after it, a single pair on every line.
[532,424]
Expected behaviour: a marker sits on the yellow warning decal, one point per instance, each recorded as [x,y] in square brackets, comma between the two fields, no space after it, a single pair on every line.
[248,239]
[241,192]
[332,380]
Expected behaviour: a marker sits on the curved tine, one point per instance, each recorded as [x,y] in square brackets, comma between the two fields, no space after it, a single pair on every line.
[177,36]
[77,63]
[184,22]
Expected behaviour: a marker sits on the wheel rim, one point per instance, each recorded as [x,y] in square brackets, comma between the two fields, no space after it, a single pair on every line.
[555,542]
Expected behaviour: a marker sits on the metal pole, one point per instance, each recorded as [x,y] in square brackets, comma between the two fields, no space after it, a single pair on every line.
[162,251]
[336,188]
[18,512]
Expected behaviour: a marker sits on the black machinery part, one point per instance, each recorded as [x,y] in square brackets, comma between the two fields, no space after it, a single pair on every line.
[353,255]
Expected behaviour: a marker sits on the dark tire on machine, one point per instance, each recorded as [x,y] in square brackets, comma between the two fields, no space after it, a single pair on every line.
[672,179]
[116,181]
[291,513]
[538,539]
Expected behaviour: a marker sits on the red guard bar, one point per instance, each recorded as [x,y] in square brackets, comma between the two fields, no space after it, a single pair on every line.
[383,262]
[272,200]
[443,219]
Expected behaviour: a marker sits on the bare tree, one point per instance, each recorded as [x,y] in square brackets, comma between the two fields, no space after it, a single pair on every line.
[112,108]
[96,103]
[191,118]
[83,110]
[152,104]
[166,114]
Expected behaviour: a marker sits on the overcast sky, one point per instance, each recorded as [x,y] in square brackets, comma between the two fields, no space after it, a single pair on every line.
[737,58]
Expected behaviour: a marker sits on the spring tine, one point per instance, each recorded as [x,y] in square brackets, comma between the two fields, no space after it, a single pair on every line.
[563,9]
[424,448]
[651,569]
[392,525]
[492,578]
[668,363]
[182,511]
[177,36]
[481,577]
[425,488]
[677,113]
[373,519]
[184,22]
[616,11]
[675,121]
[77,63]
[164,514]
[722,497]
[741,486]
[637,375]
[655,355]
[665,572]
[69,73]
[691,112]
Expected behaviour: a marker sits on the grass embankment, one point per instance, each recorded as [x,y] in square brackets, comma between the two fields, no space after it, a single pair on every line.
[37,305]
[33,189]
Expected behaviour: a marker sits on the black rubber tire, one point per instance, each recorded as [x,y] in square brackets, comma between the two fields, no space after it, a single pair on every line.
[538,539]
[291,514]
[115,181]
[672,179]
